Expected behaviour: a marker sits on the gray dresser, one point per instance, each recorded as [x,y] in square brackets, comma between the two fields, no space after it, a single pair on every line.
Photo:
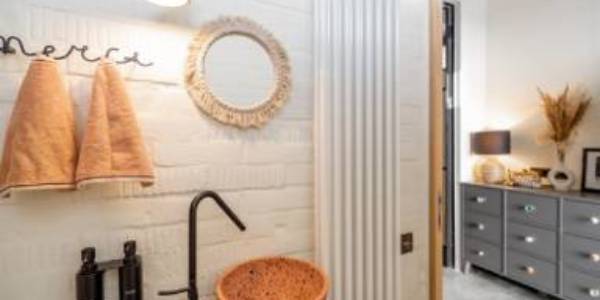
[544,239]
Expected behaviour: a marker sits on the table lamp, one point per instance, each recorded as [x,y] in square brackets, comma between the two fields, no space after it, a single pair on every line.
[489,144]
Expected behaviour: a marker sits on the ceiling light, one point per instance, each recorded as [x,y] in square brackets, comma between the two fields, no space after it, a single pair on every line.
[170,3]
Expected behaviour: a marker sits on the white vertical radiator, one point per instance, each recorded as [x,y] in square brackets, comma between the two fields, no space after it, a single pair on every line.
[359,145]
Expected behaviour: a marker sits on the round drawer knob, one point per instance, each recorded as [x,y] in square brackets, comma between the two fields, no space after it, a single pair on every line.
[481,227]
[594,293]
[595,257]
[480,253]
[595,220]
[530,270]
[529,239]
[529,208]
[481,200]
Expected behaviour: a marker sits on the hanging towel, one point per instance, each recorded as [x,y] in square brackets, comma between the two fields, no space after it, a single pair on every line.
[40,149]
[112,148]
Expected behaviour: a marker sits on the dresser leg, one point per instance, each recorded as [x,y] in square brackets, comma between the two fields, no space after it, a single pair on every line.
[466,268]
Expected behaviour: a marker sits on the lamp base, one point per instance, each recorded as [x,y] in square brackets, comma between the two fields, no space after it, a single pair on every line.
[490,170]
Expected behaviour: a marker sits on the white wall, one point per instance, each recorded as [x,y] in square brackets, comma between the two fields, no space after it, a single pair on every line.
[471,92]
[547,44]
[413,109]
[527,44]
[266,175]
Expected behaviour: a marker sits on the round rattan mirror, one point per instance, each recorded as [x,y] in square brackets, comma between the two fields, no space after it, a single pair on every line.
[242,113]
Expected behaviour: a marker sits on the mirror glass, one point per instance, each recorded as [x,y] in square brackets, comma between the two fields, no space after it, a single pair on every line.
[239,71]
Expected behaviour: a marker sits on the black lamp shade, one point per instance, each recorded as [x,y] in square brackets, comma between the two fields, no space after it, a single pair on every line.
[490,142]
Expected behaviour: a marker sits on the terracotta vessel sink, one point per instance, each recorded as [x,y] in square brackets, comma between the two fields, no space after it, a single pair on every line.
[273,278]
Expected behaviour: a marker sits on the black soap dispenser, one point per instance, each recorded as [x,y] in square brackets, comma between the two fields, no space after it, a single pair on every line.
[130,274]
[89,279]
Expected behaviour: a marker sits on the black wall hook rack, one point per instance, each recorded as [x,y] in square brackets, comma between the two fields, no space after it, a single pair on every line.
[6,48]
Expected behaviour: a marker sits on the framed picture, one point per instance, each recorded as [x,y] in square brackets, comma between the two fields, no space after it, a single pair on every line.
[590,180]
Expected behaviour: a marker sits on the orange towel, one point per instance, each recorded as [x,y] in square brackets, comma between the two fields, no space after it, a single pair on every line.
[40,149]
[112,148]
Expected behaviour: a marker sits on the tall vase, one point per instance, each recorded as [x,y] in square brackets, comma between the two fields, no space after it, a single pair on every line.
[560,176]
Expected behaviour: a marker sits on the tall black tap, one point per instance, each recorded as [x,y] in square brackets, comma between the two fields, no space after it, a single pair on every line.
[192,289]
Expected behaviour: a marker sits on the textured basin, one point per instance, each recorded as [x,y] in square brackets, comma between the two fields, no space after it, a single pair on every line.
[273,278]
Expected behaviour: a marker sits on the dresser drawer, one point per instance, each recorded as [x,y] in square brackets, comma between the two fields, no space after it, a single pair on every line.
[533,209]
[483,227]
[578,286]
[582,219]
[483,254]
[535,241]
[483,200]
[536,273]
[582,254]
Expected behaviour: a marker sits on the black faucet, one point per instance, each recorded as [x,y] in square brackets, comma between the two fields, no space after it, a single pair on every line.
[192,289]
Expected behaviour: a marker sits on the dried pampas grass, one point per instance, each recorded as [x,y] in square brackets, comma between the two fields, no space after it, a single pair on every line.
[564,113]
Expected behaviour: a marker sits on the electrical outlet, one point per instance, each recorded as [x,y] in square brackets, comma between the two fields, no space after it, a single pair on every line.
[406,243]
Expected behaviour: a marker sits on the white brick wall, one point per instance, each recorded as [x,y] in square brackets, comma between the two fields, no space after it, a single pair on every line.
[266,175]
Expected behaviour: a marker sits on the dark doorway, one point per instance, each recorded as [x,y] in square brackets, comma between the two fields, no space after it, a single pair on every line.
[449,64]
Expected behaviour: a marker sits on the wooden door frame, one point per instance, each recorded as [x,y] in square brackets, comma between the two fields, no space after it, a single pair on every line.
[436,151]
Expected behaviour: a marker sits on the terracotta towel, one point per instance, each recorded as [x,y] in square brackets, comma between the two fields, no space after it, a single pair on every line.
[40,149]
[112,148]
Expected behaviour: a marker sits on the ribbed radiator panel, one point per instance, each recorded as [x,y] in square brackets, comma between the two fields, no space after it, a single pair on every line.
[358,146]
